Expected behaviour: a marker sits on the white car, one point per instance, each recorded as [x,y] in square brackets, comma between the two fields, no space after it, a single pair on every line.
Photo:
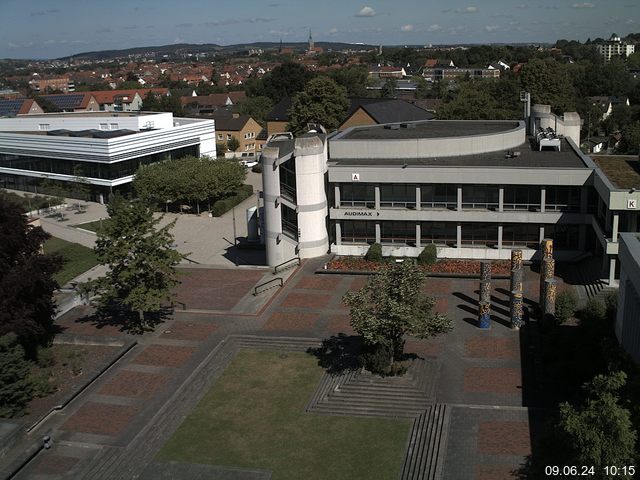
[249,163]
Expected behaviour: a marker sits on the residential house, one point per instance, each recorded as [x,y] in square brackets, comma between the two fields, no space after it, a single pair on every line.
[208,104]
[19,106]
[447,73]
[244,128]
[376,111]
[608,103]
[382,71]
[41,84]
[73,102]
[119,100]
[278,118]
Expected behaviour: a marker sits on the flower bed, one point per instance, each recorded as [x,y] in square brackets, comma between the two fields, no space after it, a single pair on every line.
[444,266]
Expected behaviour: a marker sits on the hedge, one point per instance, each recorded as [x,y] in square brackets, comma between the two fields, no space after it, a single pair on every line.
[224,205]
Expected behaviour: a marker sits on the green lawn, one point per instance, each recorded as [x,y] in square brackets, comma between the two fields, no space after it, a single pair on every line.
[92,226]
[254,418]
[78,259]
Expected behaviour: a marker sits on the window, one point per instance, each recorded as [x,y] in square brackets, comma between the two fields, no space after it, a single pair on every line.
[565,237]
[439,196]
[288,179]
[359,232]
[398,232]
[220,136]
[113,126]
[440,233]
[357,195]
[228,136]
[44,126]
[104,126]
[522,197]
[479,234]
[398,195]
[289,222]
[480,197]
[520,235]
[562,199]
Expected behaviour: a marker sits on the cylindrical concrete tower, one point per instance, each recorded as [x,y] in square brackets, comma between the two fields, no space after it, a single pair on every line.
[272,233]
[311,166]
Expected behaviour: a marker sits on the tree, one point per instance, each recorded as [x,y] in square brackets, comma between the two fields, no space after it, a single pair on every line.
[80,185]
[599,432]
[549,84]
[389,88]
[221,149]
[283,81]
[140,258]
[392,305]
[15,388]
[233,144]
[353,78]
[256,107]
[26,280]
[630,143]
[322,101]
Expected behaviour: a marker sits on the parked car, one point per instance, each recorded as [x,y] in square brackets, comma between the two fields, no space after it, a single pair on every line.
[249,163]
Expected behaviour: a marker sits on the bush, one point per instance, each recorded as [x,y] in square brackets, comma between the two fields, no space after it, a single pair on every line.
[566,304]
[224,205]
[375,359]
[611,305]
[429,255]
[43,383]
[374,254]
[15,387]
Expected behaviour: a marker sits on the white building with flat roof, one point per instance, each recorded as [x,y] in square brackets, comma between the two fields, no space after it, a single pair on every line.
[107,147]
[615,47]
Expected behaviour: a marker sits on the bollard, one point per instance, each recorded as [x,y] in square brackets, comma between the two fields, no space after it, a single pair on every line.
[517,310]
[484,316]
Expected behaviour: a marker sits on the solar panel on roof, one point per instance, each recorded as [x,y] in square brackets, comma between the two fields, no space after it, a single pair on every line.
[10,107]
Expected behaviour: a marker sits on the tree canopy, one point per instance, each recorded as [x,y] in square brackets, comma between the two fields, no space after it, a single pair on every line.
[26,279]
[283,81]
[188,179]
[322,101]
[392,305]
[140,257]
[549,84]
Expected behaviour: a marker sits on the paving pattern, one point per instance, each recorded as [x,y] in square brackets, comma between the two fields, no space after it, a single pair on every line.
[472,393]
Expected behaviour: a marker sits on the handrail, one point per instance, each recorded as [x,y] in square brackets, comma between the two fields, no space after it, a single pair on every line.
[294,259]
[255,289]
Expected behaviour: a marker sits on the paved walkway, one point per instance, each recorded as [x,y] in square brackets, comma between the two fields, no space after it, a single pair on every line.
[114,429]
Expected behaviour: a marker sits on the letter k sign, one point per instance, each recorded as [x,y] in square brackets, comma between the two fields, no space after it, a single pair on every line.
[632,203]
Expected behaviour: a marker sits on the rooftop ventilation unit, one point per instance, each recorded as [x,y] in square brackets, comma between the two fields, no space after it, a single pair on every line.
[407,125]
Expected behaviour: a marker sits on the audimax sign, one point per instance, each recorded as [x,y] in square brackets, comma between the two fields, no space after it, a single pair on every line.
[360,213]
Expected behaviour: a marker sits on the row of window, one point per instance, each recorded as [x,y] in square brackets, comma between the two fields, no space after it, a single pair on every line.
[473,196]
[91,169]
[445,233]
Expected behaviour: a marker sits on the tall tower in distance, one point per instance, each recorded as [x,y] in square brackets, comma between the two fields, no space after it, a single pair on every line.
[311,44]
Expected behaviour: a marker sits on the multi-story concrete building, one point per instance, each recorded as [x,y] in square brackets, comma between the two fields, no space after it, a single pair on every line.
[475,189]
[627,326]
[445,73]
[109,147]
[615,47]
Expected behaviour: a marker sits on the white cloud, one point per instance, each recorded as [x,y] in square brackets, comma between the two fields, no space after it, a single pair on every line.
[434,28]
[333,31]
[470,9]
[12,45]
[407,28]
[522,5]
[583,5]
[490,28]
[366,12]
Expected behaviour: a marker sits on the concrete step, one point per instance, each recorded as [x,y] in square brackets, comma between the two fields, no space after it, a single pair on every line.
[426,445]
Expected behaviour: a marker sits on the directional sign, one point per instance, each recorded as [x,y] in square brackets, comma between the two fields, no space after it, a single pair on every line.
[355,177]
[632,204]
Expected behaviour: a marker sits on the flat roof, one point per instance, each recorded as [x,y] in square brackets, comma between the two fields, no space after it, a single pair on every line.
[428,129]
[87,114]
[528,158]
[622,170]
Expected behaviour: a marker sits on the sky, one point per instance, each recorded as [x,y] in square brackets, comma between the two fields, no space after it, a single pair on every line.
[46,29]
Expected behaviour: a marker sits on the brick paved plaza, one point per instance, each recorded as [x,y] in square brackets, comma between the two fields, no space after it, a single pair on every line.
[116,427]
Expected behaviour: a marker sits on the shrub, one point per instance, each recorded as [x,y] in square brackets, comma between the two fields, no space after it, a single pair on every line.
[566,304]
[15,386]
[224,205]
[429,255]
[374,254]
[611,305]
[43,383]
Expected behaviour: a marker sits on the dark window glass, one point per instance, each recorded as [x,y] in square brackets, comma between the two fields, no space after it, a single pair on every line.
[288,179]
[398,195]
[357,195]
[439,196]
[479,234]
[480,196]
[358,232]
[398,232]
[521,197]
[289,222]
[440,233]
[520,235]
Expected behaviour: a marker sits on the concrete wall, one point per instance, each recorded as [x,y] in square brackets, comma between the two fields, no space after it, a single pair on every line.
[627,326]
[568,125]
[85,121]
[429,147]
[358,118]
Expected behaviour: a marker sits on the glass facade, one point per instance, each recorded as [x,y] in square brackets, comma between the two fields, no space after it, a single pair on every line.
[358,232]
[440,233]
[520,235]
[521,197]
[398,233]
[289,222]
[484,197]
[562,199]
[103,171]
[288,179]
[479,234]
[398,195]
[565,237]
[439,196]
[357,195]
